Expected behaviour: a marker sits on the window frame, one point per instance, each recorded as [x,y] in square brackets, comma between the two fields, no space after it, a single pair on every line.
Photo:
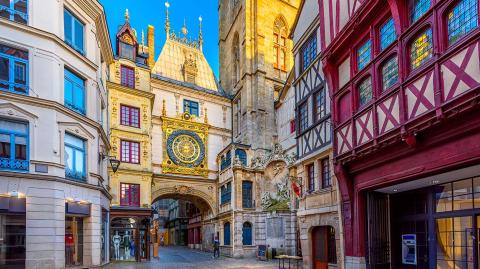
[409,8]
[360,81]
[127,78]
[121,50]
[303,122]
[73,43]
[378,32]
[242,155]
[249,238]
[130,152]
[380,73]
[226,193]
[229,237]
[14,163]
[72,76]
[76,149]
[129,112]
[11,11]
[364,41]
[445,22]
[325,182]
[131,187]
[247,198]
[280,48]
[310,172]
[187,107]
[320,92]
[408,52]
[12,61]
[308,48]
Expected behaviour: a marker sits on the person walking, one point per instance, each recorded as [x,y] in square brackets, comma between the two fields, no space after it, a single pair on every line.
[216,248]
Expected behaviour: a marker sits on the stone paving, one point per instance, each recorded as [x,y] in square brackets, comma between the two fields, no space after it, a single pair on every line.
[184,258]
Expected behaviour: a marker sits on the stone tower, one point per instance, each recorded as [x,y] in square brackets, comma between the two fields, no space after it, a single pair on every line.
[255,59]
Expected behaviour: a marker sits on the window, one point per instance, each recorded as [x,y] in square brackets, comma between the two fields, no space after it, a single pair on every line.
[73,241]
[12,245]
[242,155]
[303,116]
[129,116]
[191,107]
[13,70]
[292,126]
[280,44]
[226,234]
[319,105]
[326,177]
[364,55]
[462,19]
[418,8]
[421,49]
[225,193]
[332,246]
[309,51]
[226,161]
[310,177]
[387,34]
[365,91]
[129,194]
[247,234]
[236,58]
[74,92]
[14,10]
[247,196]
[75,159]
[14,145]
[130,152]
[73,30]
[389,73]
[128,76]
[127,51]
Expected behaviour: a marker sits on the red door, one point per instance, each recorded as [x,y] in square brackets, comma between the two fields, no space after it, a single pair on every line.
[320,247]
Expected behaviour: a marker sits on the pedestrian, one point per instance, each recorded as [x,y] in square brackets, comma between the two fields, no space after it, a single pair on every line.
[216,248]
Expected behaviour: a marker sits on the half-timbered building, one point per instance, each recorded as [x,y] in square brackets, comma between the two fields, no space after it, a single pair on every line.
[404,80]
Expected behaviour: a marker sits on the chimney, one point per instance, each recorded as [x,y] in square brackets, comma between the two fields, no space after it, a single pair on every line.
[151,46]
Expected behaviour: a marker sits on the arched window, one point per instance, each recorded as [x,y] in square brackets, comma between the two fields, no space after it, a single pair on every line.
[242,155]
[365,93]
[247,234]
[389,73]
[247,194]
[236,58]
[421,49]
[280,44]
[226,234]
[462,19]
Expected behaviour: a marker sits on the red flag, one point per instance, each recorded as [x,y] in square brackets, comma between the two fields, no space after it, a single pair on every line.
[296,188]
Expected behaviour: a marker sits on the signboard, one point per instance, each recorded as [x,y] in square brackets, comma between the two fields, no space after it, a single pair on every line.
[262,252]
[409,249]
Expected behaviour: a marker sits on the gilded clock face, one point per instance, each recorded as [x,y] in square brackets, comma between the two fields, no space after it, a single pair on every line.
[185,148]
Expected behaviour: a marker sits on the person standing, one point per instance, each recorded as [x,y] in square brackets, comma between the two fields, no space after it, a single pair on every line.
[216,248]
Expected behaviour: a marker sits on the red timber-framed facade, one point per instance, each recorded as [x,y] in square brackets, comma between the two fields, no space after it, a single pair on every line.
[407,141]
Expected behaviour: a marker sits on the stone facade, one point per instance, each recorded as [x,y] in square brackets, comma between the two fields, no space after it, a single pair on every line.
[44,183]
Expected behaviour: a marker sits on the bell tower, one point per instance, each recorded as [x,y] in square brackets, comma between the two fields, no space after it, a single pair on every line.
[255,59]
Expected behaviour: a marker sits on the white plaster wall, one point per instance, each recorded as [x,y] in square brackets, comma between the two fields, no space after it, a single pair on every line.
[284,114]
[307,15]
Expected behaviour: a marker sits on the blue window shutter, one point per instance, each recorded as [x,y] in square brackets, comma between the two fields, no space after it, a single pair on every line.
[247,194]
[226,234]
[67,26]
[78,35]
[247,234]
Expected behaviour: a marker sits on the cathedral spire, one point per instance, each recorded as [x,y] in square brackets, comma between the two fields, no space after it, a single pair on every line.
[200,34]
[184,28]
[127,16]
[167,20]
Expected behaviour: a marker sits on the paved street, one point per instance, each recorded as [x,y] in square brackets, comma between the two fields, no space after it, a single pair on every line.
[184,258]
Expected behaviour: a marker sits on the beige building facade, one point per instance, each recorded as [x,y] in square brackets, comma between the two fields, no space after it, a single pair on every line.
[53,129]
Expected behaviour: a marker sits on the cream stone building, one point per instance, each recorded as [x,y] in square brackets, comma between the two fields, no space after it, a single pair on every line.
[318,212]
[53,134]
[254,191]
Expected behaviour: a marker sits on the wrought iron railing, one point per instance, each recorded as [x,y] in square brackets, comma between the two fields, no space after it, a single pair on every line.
[13,87]
[12,164]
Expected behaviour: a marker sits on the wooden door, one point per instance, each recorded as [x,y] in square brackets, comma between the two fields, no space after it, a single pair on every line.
[320,247]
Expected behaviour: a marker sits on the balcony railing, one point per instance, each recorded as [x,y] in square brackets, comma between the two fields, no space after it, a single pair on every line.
[12,164]
[14,10]
[13,87]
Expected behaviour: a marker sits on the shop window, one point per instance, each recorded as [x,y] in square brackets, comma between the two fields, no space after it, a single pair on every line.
[226,193]
[326,176]
[389,73]
[73,241]
[130,195]
[12,240]
[191,107]
[127,51]
[309,51]
[319,105]
[130,152]
[14,140]
[14,10]
[303,116]
[421,49]
[462,19]
[130,116]
[387,34]
[75,158]
[73,31]
[127,76]
[226,234]
[13,70]
[364,54]
[242,155]
[74,92]
[292,126]
[247,234]
[418,8]
[280,44]
[310,177]
[247,194]
[365,93]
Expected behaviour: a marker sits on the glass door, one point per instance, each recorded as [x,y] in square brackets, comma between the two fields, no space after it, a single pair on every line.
[455,243]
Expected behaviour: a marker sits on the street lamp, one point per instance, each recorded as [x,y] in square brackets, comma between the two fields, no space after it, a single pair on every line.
[114,163]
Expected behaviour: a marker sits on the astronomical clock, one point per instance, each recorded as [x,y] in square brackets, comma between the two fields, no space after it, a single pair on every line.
[185,150]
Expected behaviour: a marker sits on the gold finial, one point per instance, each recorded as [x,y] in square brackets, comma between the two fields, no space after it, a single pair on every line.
[164,109]
[184,28]
[200,34]
[127,16]
[206,116]
[167,20]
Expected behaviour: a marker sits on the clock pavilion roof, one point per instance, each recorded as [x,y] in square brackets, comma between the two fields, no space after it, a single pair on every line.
[182,59]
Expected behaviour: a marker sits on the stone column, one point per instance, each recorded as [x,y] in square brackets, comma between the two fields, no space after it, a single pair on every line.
[92,237]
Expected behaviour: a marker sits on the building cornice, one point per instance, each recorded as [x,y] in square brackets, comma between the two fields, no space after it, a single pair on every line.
[127,90]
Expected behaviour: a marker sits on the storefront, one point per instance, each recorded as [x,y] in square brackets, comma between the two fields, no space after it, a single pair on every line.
[195,232]
[75,212]
[12,232]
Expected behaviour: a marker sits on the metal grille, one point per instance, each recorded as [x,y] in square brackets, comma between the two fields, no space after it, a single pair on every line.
[378,239]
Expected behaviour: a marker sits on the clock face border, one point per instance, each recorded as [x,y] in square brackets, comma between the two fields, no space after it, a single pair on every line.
[198,143]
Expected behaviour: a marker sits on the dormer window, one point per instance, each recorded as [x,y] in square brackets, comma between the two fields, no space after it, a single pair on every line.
[127,51]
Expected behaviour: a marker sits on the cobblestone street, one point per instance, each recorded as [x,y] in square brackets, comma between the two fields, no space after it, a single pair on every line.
[184,258]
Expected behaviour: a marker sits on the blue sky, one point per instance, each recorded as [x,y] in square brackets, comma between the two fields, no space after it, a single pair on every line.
[145,12]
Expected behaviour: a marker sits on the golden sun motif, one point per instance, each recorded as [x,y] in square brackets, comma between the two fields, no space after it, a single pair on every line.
[186,149]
